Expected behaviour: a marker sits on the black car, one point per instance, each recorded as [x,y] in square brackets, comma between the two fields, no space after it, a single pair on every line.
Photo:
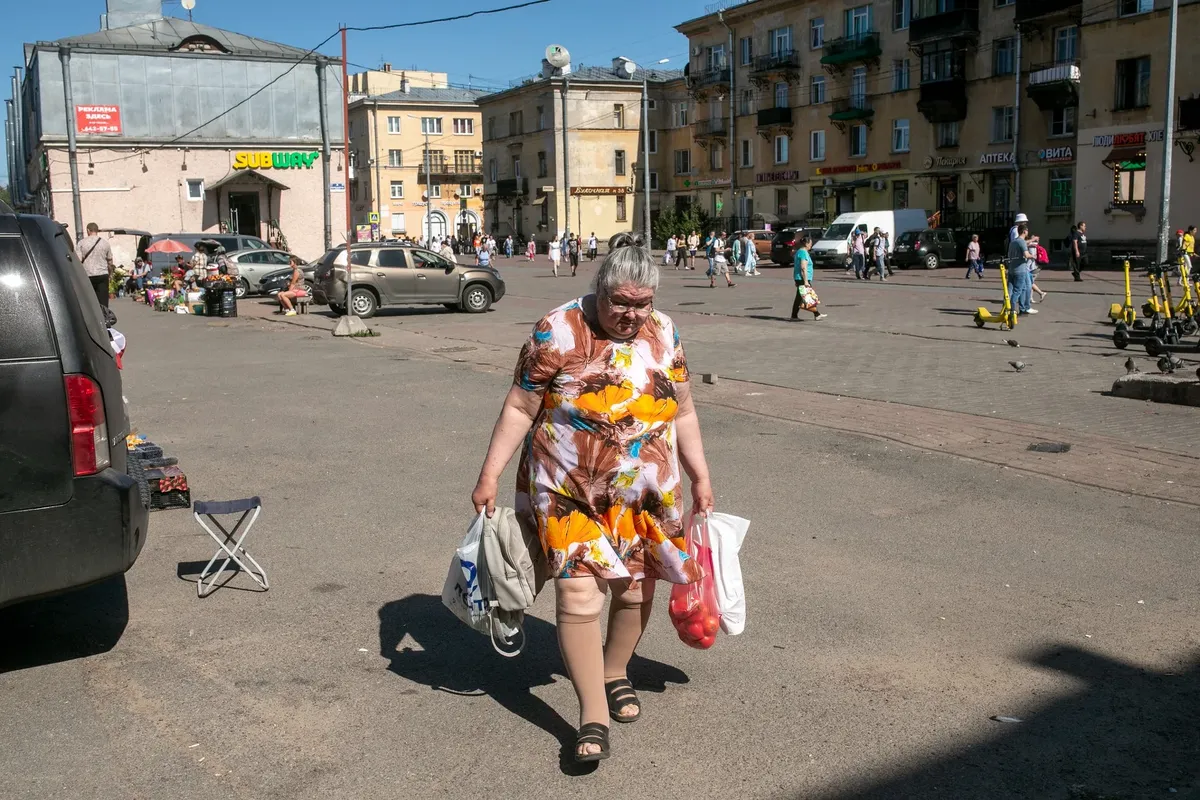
[783,246]
[929,248]
[69,514]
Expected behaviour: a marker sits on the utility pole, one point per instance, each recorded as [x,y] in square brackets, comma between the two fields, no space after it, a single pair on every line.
[428,190]
[322,106]
[1016,151]
[732,120]
[566,157]
[346,159]
[64,56]
[646,158]
[1164,209]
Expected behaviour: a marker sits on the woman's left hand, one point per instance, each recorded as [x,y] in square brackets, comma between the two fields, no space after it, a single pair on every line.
[702,496]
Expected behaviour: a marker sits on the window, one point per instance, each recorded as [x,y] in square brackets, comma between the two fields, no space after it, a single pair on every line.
[464,161]
[1133,83]
[464,126]
[621,208]
[653,143]
[541,118]
[679,115]
[435,191]
[1002,123]
[781,202]
[858,141]
[781,94]
[516,123]
[900,134]
[1066,44]
[391,257]
[492,172]
[1062,184]
[1003,3]
[431,125]
[395,158]
[618,115]
[781,149]
[354,191]
[516,166]
[816,33]
[683,162]
[652,104]
[899,194]
[746,48]
[817,92]
[714,158]
[746,102]
[858,21]
[901,14]
[781,40]
[464,190]
[545,217]
[1129,183]
[718,202]
[491,129]
[398,223]
[816,145]
[716,57]
[397,190]
[436,159]
[654,181]
[939,62]
[195,189]
[947,134]
[393,124]
[817,201]
[1126,8]
[619,162]
[900,70]
[747,153]
[1003,51]
[541,161]
[1062,121]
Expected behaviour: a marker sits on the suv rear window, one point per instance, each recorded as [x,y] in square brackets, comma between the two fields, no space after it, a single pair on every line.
[908,237]
[785,235]
[24,323]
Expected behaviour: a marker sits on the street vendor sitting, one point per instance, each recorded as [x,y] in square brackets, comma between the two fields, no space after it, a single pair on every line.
[294,289]
[179,274]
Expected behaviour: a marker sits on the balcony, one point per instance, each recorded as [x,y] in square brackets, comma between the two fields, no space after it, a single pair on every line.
[944,101]
[853,109]
[1055,85]
[783,61]
[1030,10]
[712,128]
[859,47]
[465,168]
[771,117]
[512,187]
[701,82]
[955,23]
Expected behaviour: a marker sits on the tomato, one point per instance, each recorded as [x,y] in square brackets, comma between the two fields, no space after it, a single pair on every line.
[695,630]
[711,625]
[706,642]
[679,607]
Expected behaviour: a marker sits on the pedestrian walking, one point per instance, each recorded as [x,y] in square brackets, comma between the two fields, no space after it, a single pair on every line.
[508,246]
[530,249]
[878,249]
[802,273]
[447,251]
[555,254]
[736,253]
[1041,259]
[974,257]
[484,257]
[1020,219]
[592,247]
[693,244]
[750,255]
[573,253]
[1021,257]
[608,356]
[858,254]
[97,260]
[710,251]
[720,265]
[672,251]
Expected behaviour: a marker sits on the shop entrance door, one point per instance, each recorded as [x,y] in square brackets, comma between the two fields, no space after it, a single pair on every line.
[1001,196]
[244,216]
[948,196]
[845,202]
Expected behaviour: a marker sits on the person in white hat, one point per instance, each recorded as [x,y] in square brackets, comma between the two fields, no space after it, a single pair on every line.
[1012,232]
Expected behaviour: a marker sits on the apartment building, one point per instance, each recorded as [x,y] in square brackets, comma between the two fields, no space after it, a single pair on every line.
[540,182]
[386,80]
[417,163]
[1122,115]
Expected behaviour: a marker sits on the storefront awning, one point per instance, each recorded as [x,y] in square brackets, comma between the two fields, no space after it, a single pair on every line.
[249,176]
[540,201]
[1119,155]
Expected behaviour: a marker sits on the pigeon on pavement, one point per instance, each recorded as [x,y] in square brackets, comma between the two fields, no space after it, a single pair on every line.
[1011,342]
[1164,364]
[1130,366]
[1017,365]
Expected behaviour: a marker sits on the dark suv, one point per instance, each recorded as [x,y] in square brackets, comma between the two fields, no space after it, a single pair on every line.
[69,513]
[929,248]
[783,246]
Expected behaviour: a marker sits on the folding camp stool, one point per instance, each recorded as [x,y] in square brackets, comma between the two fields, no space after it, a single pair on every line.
[232,544]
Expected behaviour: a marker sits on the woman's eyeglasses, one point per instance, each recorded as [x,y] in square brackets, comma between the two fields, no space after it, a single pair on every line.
[625,308]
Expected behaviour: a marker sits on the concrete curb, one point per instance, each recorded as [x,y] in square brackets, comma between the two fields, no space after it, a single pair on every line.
[1158,388]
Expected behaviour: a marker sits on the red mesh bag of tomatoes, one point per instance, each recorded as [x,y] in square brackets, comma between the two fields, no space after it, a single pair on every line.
[693,608]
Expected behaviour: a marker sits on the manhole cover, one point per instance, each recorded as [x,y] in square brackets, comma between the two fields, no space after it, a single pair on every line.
[454,349]
[1049,447]
[692,303]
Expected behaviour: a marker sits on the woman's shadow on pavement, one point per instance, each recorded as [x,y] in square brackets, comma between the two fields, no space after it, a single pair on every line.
[455,659]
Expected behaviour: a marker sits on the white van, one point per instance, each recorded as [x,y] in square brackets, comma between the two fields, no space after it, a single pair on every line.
[834,249]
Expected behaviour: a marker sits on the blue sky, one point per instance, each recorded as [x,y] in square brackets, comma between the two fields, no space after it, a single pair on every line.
[487,51]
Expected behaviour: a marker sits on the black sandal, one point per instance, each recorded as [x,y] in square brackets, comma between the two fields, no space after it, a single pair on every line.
[591,733]
[621,694]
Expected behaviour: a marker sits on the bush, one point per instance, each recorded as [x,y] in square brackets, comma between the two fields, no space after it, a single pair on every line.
[676,221]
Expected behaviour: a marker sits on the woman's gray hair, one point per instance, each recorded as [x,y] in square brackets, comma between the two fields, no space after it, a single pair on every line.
[628,262]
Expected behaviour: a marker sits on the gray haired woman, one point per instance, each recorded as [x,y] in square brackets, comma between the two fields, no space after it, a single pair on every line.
[602,403]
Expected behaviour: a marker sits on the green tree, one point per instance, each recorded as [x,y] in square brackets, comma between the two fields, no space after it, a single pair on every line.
[676,221]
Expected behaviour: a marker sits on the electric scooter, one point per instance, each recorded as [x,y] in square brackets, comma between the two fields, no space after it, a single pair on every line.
[1125,313]
[1006,317]
[1161,331]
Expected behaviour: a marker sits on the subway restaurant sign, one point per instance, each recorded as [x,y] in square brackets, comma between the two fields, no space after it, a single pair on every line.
[267,160]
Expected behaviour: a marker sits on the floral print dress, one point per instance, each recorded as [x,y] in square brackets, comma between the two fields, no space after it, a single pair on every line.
[599,474]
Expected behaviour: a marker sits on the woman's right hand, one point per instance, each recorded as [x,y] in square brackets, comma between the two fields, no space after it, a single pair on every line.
[484,496]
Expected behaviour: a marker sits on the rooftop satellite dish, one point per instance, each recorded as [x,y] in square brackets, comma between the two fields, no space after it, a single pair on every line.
[558,56]
[188,4]
[627,66]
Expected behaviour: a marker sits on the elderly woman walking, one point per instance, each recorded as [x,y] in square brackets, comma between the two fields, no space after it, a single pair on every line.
[602,403]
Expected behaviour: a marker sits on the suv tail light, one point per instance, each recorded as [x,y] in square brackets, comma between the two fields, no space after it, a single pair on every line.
[89,431]
[791,243]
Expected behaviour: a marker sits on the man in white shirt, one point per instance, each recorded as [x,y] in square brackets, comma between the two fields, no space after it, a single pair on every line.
[97,259]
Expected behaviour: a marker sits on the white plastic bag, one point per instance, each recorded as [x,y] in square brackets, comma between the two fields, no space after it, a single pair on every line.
[462,593]
[725,534]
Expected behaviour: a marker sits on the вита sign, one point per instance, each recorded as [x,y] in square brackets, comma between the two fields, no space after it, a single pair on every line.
[263,160]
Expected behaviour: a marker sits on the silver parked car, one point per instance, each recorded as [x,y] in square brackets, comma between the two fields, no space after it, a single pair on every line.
[251,266]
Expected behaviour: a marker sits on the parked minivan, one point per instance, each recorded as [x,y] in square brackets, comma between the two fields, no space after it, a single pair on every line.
[232,242]
[70,515]
[834,249]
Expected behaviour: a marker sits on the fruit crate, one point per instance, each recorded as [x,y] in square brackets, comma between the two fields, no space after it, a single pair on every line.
[168,488]
[160,501]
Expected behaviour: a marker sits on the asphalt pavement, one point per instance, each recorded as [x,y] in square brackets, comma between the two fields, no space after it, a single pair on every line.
[904,586]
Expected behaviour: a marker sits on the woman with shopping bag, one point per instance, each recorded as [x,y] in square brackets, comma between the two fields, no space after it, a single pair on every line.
[602,403]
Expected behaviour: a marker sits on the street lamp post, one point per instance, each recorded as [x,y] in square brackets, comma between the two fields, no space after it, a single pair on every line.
[428,185]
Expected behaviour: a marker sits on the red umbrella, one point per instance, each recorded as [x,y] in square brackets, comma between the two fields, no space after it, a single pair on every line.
[168,246]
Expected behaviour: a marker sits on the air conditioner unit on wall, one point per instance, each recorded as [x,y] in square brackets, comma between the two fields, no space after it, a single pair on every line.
[879,186]
[479,154]
[827,193]
[478,190]
[696,50]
